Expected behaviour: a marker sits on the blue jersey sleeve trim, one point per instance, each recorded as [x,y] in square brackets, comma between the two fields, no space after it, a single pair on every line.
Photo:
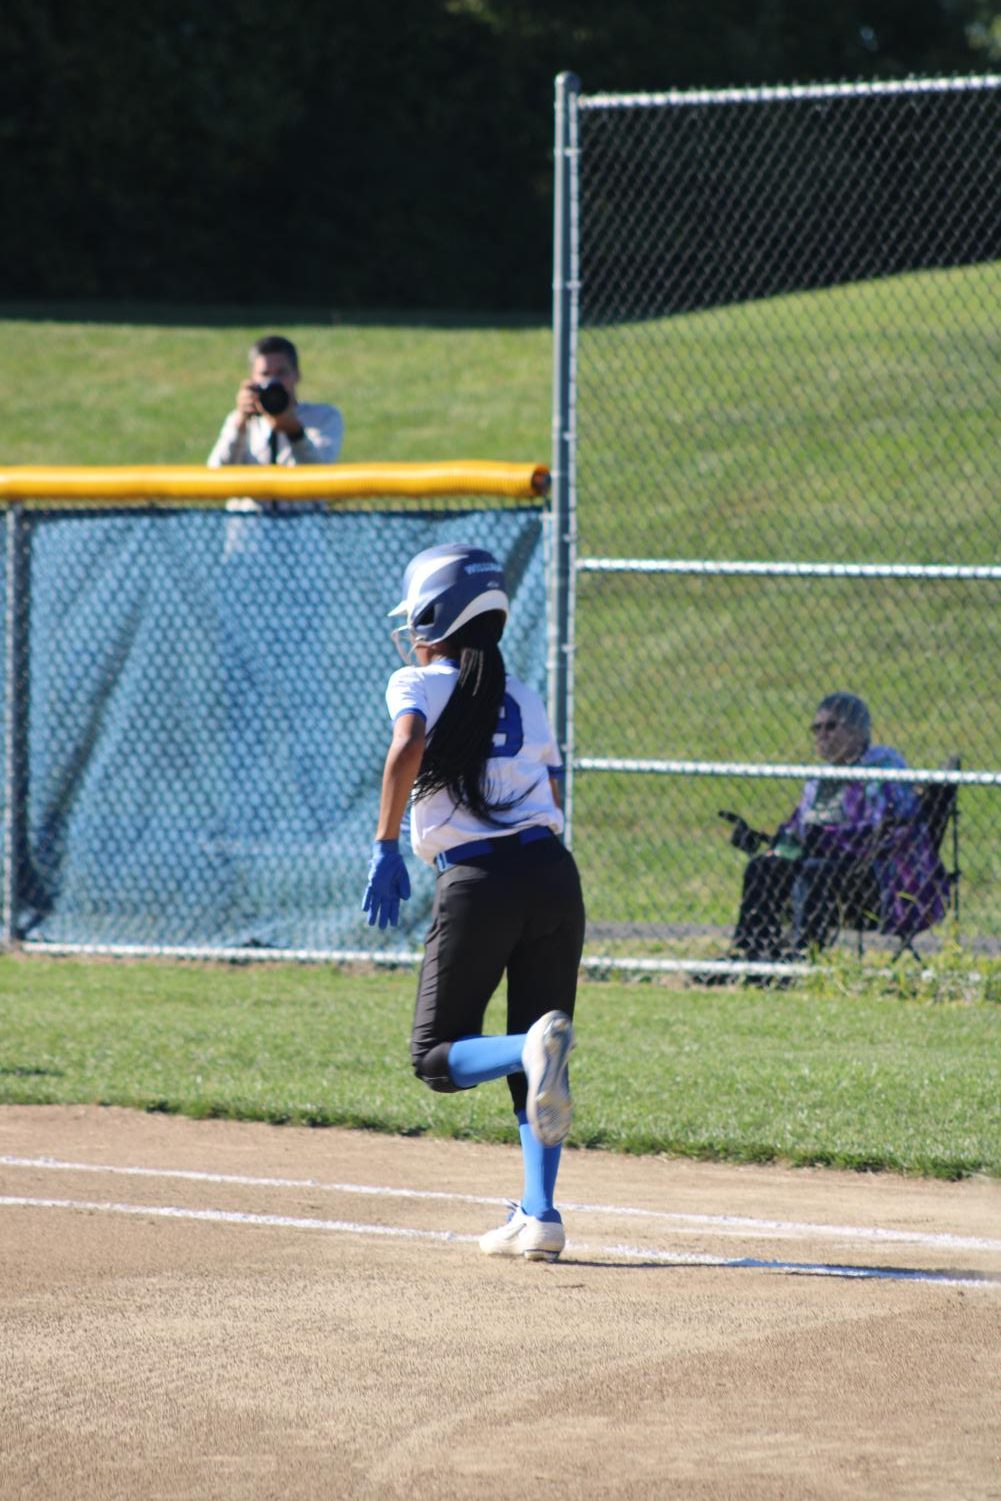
[557,771]
[409,709]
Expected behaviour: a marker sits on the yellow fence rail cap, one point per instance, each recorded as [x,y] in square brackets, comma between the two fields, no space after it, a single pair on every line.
[137,484]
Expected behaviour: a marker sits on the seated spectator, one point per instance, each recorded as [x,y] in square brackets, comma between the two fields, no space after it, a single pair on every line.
[845,843]
[269,424]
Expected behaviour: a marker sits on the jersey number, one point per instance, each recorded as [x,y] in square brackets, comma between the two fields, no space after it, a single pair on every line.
[509,736]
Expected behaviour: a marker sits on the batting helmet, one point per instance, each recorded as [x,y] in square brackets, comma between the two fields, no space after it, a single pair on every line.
[445,586]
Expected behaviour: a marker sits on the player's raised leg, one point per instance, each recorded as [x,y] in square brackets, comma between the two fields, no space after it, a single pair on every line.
[548,1044]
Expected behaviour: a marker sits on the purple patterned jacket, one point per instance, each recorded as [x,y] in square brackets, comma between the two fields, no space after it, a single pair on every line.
[879,823]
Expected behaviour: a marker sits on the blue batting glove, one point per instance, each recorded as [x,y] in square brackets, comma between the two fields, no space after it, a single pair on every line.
[388,884]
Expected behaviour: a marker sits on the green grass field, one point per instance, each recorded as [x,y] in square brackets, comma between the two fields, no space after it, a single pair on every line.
[858,424]
[831,1074]
[103,392]
[835,424]
[855,422]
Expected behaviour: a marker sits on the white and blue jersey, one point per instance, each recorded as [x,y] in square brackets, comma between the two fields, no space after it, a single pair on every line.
[525,756]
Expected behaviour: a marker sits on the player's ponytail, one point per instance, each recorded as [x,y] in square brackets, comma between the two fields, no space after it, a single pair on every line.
[461,742]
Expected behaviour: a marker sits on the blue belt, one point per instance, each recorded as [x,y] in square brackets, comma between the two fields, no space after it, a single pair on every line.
[459,853]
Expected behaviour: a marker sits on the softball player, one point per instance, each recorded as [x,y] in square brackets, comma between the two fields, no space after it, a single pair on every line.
[474,749]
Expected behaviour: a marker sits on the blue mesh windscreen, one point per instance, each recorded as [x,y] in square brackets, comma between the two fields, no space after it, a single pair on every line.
[207,721]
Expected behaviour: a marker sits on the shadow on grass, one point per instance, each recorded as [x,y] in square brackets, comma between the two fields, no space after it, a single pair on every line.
[25,1071]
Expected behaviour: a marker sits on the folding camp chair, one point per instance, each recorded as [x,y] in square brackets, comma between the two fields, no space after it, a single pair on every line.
[940,811]
[939,808]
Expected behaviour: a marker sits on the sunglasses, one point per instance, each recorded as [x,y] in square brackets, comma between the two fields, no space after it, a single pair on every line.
[825,726]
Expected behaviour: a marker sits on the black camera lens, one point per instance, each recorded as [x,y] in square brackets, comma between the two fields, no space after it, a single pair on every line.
[273,397]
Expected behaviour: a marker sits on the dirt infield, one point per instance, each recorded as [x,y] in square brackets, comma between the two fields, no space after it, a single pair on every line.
[216,1310]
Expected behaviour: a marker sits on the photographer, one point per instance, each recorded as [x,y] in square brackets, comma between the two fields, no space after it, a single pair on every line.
[270,425]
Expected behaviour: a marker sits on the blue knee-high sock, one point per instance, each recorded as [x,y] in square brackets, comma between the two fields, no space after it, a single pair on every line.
[541,1165]
[474,1060]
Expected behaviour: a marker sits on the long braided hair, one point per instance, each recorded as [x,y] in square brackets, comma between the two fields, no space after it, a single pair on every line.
[461,742]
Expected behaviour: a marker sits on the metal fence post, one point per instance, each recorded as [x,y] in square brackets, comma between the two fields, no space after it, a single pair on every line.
[15,716]
[562,539]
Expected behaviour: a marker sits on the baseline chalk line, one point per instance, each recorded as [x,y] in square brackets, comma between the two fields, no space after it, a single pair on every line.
[724,1223]
[449,1237]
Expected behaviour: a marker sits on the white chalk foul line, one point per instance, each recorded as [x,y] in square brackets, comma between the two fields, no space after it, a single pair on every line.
[243,1180]
[731,1224]
[232,1217]
[578,1251]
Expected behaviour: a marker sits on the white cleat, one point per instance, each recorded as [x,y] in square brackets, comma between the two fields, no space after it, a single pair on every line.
[548,1043]
[535,1240]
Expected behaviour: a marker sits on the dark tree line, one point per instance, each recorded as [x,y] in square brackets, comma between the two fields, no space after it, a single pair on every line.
[381,155]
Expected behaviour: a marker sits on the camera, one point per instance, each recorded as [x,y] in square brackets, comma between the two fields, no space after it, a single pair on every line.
[273,397]
[744,838]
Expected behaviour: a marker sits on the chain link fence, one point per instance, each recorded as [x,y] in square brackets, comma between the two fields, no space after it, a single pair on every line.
[195,718]
[778,434]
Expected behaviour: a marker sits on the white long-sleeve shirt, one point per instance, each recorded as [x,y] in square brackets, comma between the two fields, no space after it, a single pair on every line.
[321,442]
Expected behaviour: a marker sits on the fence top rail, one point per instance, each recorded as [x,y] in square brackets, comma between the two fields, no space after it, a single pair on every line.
[209,952]
[738,567]
[797,771]
[111,485]
[772,93]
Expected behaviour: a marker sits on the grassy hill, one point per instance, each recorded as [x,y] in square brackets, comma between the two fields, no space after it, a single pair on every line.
[858,423]
[115,392]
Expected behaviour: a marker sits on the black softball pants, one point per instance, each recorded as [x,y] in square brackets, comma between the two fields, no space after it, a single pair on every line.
[518,908]
[807,892]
